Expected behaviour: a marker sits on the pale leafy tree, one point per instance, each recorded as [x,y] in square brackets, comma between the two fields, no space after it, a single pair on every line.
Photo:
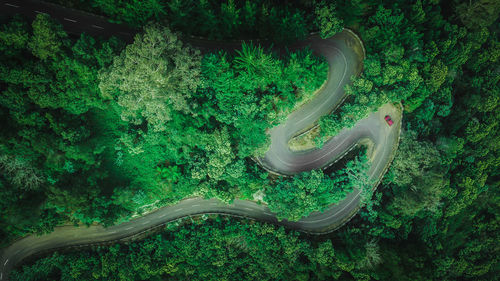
[151,77]
[372,256]
[416,170]
[198,169]
[220,154]
[324,254]
[437,75]
[414,158]
[357,173]
[20,172]
[219,157]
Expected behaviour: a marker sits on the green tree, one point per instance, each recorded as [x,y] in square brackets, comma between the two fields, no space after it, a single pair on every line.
[229,17]
[255,62]
[478,13]
[21,174]
[133,12]
[327,20]
[47,39]
[153,76]
[296,197]
[219,153]
[14,36]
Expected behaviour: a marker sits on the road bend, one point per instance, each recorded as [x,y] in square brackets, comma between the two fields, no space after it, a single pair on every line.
[344,57]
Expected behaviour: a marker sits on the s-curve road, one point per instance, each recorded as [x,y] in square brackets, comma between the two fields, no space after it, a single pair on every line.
[344,60]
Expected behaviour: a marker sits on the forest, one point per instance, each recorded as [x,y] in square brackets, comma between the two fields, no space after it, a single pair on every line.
[95,129]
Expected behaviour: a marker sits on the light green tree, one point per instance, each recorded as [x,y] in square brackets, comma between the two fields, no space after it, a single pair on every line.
[372,256]
[20,173]
[153,76]
[220,154]
[47,39]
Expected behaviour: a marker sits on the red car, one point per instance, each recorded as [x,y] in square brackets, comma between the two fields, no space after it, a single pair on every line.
[389,120]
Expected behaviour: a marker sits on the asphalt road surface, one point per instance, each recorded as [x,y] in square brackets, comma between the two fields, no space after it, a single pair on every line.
[344,62]
[344,56]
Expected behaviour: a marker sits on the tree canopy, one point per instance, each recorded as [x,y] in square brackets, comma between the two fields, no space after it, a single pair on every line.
[93,132]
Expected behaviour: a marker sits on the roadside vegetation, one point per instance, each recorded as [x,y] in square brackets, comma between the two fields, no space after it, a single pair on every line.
[411,59]
[296,197]
[82,141]
[275,20]
[215,249]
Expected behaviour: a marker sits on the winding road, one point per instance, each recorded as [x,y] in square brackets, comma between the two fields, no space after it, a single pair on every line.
[345,60]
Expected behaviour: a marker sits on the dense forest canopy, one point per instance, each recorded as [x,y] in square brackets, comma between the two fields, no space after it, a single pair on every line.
[83,141]
[96,129]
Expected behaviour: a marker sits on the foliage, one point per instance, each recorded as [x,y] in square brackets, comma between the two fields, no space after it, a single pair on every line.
[152,77]
[435,217]
[255,90]
[47,37]
[135,12]
[477,14]
[296,197]
[401,66]
[327,20]
[219,249]
[21,174]
[47,81]
[270,19]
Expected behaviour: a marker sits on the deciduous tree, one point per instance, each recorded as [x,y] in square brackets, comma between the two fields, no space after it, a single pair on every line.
[153,76]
